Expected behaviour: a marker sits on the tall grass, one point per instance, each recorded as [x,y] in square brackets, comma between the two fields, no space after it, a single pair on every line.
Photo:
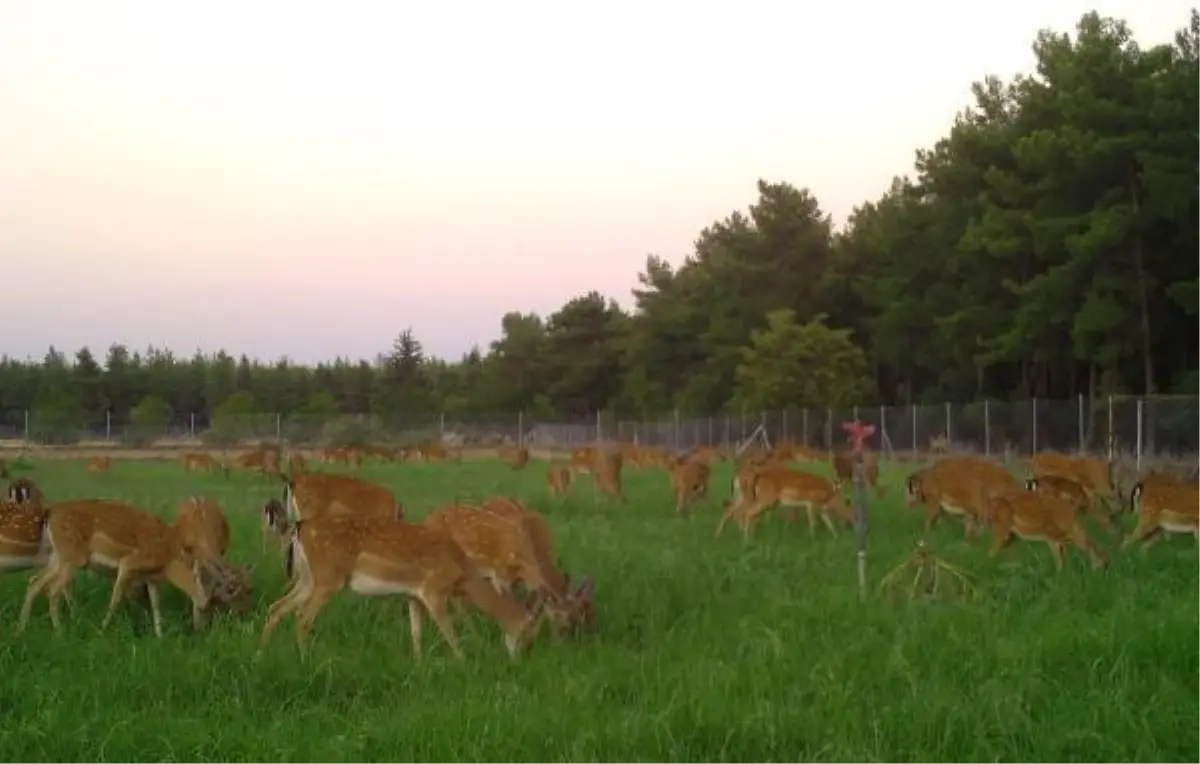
[706,650]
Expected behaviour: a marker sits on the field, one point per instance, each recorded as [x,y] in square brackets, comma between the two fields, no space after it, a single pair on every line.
[706,649]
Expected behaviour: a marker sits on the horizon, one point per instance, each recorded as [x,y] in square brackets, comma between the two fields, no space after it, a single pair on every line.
[306,182]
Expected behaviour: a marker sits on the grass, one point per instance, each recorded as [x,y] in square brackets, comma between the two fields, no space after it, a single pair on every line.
[707,650]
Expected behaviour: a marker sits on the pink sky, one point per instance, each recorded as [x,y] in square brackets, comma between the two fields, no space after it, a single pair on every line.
[307,179]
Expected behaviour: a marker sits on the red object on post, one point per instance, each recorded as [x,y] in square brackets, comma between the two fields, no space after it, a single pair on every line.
[858,432]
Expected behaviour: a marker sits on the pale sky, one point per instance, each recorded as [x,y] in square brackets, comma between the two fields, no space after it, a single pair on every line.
[309,178]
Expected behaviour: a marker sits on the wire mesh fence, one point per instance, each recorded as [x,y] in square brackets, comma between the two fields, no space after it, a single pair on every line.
[1128,425]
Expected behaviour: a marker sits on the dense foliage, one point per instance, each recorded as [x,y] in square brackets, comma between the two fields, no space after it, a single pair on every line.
[1046,247]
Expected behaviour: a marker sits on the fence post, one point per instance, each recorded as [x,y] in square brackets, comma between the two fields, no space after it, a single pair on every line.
[599,429]
[442,425]
[26,425]
[987,428]
[192,425]
[710,431]
[854,413]
[1082,447]
[914,428]
[884,440]
[1034,445]
[108,424]
[804,426]
[1112,437]
[783,425]
[521,429]
[675,430]
[1139,436]
[278,428]
[949,428]
[829,427]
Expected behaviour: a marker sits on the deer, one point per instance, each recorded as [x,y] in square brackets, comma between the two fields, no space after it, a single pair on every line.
[1162,508]
[956,490]
[377,556]
[311,494]
[558,479]
[763,489]
[1095,476]
[204,532]
[510,544]
[1038,517]
[515,456]
[1069,490]
[842,460]
[689,482]
[114,536]
[99,464]
[199,462]
[604,464]
[25,491]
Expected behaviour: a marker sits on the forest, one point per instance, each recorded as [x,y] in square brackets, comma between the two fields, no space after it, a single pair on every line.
[1045,248]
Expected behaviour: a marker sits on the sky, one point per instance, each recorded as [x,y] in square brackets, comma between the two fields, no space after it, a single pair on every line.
[307,179]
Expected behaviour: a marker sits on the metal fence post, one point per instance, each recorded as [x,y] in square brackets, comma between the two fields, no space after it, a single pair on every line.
[521,429]
[804,426]
[108,424]
[192,425]
[1082,446]
[783,424]
[278,428]
[914,428]
[987,428]
[675,430]
[829,427]
[27,425]
[949,431]
[1139,435]
[599,431]
[1034,445]
[1112,436]
[442,425]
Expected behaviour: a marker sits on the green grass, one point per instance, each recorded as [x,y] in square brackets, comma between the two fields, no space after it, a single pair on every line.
[706,649]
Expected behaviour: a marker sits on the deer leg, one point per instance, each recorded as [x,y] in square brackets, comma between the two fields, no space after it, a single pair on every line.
[828,521]
[1056,549]
[155,612]
[415,626]
[283,607]
[59,586]
[308,613]
[37,584]
[438,612]
[124,578]
[1145,529]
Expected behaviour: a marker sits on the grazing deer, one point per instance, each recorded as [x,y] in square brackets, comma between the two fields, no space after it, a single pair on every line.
[558,479]
[311,494]
[515,456]
[764,489]
[376,557]
[1163,507]
[510,544]
[99,464]
[842,460]
[689,482]
[112,535]
[198,462]
[1095,476]
[204,533]
[1070,491]
[1038,517]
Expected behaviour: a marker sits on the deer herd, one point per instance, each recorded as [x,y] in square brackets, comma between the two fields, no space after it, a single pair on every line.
[334,531]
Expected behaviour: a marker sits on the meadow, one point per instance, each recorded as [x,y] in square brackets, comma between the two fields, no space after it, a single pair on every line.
[705,650]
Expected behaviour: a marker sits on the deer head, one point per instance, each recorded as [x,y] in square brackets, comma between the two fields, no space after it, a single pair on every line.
[229,587]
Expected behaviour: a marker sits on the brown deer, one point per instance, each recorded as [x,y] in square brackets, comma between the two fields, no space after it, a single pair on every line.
[311,494]
[765,488]
[99,464]
[204,533]
[510,544]
[1070,491]
[198,462]
[689,482]
[514,456]
[1162,508]
[375,557]
[1038,517]
[558,479]
[113,535]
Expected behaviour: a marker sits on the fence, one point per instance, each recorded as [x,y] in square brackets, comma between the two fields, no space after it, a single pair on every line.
[1142,426]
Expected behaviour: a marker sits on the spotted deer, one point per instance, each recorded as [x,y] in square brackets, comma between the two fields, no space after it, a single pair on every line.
[514,456]
[765,488]
[689,482]
[203,531]
[1038,517]
[114,536]
[378,556]
[1163,507]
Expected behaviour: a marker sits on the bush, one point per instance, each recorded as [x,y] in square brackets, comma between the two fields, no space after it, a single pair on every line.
[148,421]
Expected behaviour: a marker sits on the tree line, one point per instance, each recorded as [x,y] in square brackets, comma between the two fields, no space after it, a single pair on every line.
[1046,247]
